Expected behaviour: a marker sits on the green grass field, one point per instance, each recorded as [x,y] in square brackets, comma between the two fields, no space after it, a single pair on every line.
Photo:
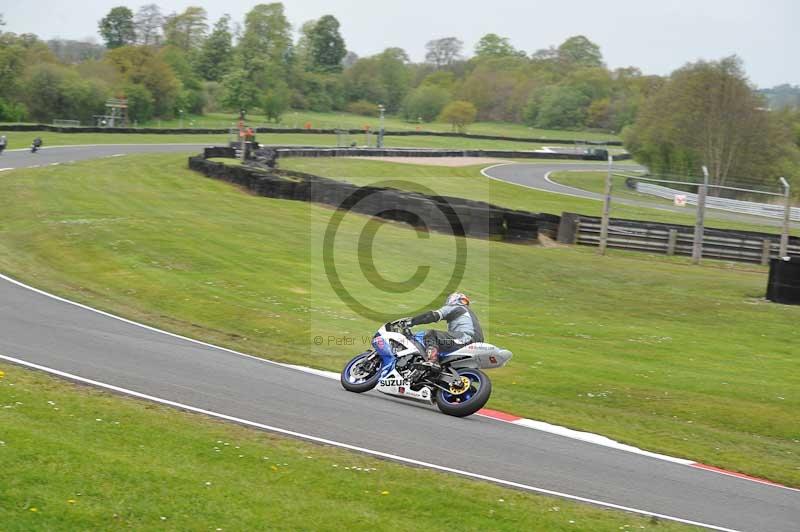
[688,361]
[467,181]
[73,458]
[298,119]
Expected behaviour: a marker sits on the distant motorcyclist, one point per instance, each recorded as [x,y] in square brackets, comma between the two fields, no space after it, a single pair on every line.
[463,328]
[37,143]
[3,143]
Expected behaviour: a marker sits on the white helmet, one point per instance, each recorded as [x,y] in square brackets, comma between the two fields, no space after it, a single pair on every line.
[457,298]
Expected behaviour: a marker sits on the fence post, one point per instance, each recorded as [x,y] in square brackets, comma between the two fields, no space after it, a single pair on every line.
[577,234]
[697,245]
[672,241]
[784,249]
[606,209]
[766,248]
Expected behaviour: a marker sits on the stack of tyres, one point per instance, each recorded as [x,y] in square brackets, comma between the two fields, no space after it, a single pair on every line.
[783,285]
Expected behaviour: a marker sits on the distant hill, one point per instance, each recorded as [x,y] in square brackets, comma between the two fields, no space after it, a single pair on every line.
[782,96]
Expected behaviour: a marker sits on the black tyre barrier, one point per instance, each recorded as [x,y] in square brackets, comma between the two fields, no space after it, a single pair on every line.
[206,131]
[478,219]
[270,154]
[783,285]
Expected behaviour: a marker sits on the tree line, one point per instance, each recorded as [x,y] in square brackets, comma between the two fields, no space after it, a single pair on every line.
[167,63]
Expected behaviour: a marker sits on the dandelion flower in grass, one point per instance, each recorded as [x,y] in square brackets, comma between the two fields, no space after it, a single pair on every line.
[71,501]
[2,374]
[274,468]
[34,509]
[384,493]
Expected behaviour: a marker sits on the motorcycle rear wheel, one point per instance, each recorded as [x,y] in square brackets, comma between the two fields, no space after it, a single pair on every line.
[470,401]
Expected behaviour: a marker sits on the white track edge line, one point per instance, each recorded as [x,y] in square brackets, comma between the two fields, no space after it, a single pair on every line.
[350,447]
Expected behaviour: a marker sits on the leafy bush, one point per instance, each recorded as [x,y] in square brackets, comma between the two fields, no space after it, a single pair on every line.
[362,107]
[459,114]
[425,102]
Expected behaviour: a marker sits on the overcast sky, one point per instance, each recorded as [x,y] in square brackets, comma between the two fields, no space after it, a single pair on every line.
[657,36]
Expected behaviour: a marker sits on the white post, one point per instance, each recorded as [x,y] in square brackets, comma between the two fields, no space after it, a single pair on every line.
[784,250]
[697,247]
[382,110]
[606,209]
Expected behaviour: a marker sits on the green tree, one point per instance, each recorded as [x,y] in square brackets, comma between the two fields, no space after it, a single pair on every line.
[707,113]
[148,23]
[239,91]
[117,28]
[580,51]
[425,102]
[54,91]
[276,102]
[140,102]
[459,114]
[558,107]
[492,45]
[382,79]
[187,30]
[215,56]
[326,48]
[443,52]
[142,65]
[266,44]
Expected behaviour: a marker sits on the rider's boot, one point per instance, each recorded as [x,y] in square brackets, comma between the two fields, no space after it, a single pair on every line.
[432,352]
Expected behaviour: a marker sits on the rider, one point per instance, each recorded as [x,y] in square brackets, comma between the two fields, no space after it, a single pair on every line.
[37,143]
[462,328]
[3,143]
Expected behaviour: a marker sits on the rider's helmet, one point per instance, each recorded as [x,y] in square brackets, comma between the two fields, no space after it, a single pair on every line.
[457,298]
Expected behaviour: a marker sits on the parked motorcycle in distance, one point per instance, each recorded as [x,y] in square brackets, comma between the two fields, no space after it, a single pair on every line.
[394,367]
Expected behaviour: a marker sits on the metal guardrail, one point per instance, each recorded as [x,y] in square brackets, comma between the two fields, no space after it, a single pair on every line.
[746,207]
[671,241]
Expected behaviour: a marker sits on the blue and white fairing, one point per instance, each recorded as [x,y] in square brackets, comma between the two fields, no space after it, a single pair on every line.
[384,349]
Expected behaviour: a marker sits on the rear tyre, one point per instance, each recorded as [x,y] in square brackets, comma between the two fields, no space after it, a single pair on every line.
[470,401]
[362,373]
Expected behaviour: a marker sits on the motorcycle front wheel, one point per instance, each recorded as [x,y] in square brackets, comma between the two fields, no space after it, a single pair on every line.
[470,398]
[362,373]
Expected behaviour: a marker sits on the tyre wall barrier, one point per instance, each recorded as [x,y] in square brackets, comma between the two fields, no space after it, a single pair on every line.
[445,214]
[200,130]
[274,153]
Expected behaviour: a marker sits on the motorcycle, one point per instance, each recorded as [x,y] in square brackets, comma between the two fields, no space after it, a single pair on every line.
[394,367]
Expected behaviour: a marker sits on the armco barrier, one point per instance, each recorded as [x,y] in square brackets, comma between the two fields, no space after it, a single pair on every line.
[200,130]
[463,217]
[674,239]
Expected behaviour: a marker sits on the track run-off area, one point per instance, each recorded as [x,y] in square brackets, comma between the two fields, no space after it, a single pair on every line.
[44,332]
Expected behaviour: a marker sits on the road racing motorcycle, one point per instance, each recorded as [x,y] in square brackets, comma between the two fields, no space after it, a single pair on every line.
[394,366]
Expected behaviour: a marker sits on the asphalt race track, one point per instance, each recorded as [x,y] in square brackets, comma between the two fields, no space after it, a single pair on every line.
[535,175]
[43,330]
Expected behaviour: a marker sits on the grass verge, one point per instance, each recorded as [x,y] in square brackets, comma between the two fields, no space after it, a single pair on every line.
[688,361]
[74,458]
